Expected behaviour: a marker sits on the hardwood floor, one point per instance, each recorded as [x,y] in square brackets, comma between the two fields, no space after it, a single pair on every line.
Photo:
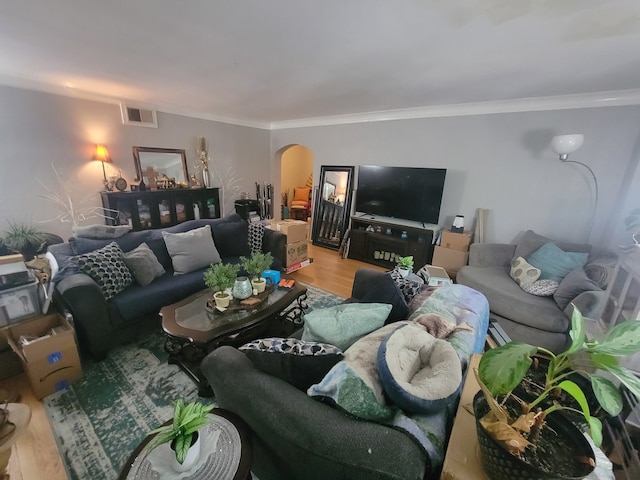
[35,455]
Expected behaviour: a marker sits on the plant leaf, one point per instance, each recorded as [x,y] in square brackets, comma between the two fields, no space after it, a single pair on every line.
[607,394]
[577,331]
[623,339]
[595,426]
[502,368]
[595,429]
[627,378]
[183,443]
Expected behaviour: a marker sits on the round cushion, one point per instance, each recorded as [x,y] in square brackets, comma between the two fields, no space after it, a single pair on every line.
[420,373]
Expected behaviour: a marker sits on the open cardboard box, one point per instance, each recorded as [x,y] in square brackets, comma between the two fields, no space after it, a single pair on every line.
[50,358]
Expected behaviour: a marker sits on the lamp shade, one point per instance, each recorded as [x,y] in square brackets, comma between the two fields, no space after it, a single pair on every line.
[101,153]
[565,144]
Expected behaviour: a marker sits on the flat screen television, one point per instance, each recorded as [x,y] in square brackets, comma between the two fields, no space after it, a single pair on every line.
[407,193]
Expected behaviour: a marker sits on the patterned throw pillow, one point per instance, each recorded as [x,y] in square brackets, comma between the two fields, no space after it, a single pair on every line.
[106,266]
[541,288]
[256,232]
[408,286]
[524,273]
[295,361]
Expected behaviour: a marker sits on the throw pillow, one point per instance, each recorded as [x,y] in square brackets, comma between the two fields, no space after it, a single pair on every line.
[523,273]
[420,373]
[573,285]
[256,232]
[301,194]
[555,263]
[531,241]
[295,361]
[191,250]
[343,324]
[409,286]
[541,288]
[144,264]
[100,231]
[106,266]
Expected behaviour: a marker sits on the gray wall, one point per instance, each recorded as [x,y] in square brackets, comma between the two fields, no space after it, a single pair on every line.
[503,162]
[38,129]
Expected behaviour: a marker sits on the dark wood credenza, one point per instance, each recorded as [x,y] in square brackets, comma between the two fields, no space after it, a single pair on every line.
[160,208]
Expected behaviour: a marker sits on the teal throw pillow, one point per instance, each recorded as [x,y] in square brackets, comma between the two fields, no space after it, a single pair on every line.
[555,263]
[343,324]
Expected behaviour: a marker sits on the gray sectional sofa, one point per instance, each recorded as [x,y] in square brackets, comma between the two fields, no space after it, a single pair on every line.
[103,322]
[537,320]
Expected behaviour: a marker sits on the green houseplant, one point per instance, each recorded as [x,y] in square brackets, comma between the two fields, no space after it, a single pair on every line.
[182,432]
[257,263]
[405,265]
[220,277]
[502,370]
[23,238]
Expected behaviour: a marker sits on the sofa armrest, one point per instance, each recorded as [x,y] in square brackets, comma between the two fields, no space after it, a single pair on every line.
[275,243]
[589,304]
[83,298]
[363,280]
[491,254]
[295,436]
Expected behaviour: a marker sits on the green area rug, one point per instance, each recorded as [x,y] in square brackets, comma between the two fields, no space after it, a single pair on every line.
[100,419]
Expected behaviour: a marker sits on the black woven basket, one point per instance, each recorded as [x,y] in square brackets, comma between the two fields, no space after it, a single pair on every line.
[499,464]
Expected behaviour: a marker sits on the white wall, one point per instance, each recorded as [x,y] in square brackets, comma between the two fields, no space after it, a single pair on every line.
[503,162]
[39,128]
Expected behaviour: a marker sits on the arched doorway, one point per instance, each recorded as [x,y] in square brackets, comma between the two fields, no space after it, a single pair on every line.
[296,170]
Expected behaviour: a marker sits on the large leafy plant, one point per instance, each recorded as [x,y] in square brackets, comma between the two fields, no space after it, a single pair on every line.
[187,419]
[502,369]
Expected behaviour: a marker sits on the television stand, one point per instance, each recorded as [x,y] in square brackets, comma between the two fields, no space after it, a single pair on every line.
[381,240]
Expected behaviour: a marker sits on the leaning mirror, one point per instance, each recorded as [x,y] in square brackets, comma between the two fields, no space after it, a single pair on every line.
[155,165]
[333,207]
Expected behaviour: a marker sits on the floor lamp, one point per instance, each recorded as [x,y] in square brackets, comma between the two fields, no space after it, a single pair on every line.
[563,145]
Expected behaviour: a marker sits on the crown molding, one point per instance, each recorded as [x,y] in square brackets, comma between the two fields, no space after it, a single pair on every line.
[615,98]
[534,104]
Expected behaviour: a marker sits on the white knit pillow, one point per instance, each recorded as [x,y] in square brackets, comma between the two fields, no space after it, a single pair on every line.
[524,273]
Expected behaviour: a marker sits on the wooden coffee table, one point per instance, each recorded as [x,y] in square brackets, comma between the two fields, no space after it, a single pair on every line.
[226,454]
[192,332]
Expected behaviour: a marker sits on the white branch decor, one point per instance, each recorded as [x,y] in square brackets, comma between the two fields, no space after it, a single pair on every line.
[229,188]
[63,200]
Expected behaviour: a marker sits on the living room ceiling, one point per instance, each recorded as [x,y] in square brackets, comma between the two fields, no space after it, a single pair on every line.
[261,62]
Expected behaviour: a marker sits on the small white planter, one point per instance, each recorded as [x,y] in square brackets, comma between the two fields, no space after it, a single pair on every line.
[259,284]
[404,272]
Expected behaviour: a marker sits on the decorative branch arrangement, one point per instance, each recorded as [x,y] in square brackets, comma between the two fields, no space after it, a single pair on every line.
[229,184]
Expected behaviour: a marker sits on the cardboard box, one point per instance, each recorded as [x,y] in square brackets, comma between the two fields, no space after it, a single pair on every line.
[51,358]
[456,241]
[449,259]
[19,303]
[299,265]
[296,252]
[295,230]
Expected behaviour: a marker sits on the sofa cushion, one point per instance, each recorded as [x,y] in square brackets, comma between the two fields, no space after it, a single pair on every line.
[541,288]
[523,273]
[107,267]
[385,290]
[143,264]
[295,361]
[573,285]
[508,300]
[100,231]
[556,263]
[344,324]
[531,241]
[191,250]
[232,238]
[420,373]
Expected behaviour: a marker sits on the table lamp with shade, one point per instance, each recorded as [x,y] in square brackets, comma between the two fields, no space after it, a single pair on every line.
[102,154]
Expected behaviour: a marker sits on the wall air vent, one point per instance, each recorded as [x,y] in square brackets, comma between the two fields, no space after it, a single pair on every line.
[140,115]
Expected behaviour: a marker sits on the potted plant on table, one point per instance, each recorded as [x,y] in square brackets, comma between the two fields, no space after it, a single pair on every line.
[257,263]
[183,433]
[220,277]
[23,238]
[405,265]
[511,428]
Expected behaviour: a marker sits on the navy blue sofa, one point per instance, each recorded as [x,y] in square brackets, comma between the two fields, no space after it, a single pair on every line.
[101,324]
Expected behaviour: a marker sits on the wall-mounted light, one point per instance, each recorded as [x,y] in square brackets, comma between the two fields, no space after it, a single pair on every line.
[102,154]
[563,145]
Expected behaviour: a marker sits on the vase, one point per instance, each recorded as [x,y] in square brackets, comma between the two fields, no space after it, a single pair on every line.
[242,288]
[206,179]
[192,457]
[500,464]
